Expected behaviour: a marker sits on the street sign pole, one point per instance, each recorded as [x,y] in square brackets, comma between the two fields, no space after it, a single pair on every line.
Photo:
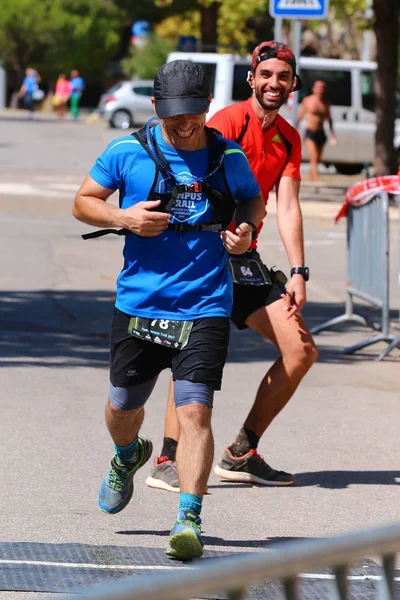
[2,86]
[296,49]
[278,30]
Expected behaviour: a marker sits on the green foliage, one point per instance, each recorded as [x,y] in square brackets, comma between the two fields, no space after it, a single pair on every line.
[57,35]
[233,14]
[348,8]
[154,11]
[144,63]
[233,32]
[187,23]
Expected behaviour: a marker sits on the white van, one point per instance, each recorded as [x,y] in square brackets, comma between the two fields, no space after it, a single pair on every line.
[350,90]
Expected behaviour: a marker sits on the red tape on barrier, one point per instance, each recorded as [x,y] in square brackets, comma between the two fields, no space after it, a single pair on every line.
[361,192]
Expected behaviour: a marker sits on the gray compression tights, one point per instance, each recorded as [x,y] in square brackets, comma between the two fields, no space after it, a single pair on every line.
[185,392]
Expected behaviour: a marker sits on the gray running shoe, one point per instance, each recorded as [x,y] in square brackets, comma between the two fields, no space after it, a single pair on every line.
[117,487]
[163,475]
[250,468]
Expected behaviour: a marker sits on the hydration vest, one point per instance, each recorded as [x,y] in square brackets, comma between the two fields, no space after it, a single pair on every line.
[222,204]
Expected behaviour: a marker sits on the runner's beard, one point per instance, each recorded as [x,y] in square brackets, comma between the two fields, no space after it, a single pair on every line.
[270,106]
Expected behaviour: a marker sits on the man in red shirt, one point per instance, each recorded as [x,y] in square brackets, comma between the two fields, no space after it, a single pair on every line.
[261,301]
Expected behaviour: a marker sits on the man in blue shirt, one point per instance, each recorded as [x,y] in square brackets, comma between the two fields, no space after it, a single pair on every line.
[28,87]
[77,87]
[176,182]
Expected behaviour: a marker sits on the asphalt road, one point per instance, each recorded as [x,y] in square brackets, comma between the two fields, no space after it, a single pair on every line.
[339,434]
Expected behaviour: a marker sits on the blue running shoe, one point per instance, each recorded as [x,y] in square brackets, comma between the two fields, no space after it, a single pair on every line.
[117,487]
[185,542]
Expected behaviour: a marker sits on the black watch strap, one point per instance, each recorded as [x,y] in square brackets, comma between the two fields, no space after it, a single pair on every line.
[254,234]
[304,271]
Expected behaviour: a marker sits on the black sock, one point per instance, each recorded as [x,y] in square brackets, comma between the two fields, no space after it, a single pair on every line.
[169,448]
[245,441]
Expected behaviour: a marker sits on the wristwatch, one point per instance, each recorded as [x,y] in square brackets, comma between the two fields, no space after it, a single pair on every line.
[254,234]
[305,271]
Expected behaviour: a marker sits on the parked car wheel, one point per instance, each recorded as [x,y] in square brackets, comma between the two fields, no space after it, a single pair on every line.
[121,119]
[349,169]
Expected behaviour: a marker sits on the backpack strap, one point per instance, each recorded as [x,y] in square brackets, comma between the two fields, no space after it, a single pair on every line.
[244,129]
[288,144]
[223,204]
[101,232]
[161,166]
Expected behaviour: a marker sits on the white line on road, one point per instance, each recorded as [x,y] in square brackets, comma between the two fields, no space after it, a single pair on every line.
[38,563]
[308,243]
[349,577]
[25,189]
[338,235]
[57,178]
[21,189]
[65,186]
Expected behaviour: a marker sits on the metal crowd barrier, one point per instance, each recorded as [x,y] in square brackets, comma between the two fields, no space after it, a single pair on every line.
[234,574]
[396,342]
[367,270]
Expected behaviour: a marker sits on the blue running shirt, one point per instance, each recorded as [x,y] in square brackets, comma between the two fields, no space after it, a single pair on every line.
[180,276]
[30,83]
[77,86]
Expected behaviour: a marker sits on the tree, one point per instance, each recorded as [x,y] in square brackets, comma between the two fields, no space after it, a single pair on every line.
[209,13]
[144,63]
[57,35]
[154,11]
[386,27]
[230,25]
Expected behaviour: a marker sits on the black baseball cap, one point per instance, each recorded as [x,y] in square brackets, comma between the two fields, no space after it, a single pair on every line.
[180,88]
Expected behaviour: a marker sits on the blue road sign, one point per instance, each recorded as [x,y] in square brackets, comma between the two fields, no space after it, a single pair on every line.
[298,9]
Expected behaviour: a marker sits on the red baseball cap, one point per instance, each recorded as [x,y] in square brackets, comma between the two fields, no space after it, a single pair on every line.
[274,49]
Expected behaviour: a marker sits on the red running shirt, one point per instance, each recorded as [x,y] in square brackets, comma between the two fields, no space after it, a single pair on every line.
[272,154]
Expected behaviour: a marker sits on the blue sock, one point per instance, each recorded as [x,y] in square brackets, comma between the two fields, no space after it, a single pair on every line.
[191,503]
[127,454]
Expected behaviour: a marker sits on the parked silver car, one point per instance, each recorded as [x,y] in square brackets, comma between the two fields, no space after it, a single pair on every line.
[127,103]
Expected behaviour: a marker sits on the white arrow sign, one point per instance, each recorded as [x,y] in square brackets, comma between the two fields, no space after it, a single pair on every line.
[299,4]
[298,9]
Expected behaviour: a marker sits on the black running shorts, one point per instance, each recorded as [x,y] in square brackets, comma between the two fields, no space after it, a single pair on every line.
[249,298]
[134,361]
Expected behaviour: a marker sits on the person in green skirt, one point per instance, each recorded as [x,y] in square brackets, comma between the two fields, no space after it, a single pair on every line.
[77,87]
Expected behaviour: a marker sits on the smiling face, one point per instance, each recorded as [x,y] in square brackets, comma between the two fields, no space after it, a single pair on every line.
[272,83]
[185,132]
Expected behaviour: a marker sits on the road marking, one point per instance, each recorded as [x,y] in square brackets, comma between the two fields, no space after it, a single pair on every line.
[308,243]
[168,568]
[349,577]
[338,235]
[56,178]
[17,188]
[65,186]
[39,563]
[26,189]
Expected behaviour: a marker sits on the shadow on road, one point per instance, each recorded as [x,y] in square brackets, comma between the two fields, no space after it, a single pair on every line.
[267,542]
[55,328]
[71,328]
[333,480]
